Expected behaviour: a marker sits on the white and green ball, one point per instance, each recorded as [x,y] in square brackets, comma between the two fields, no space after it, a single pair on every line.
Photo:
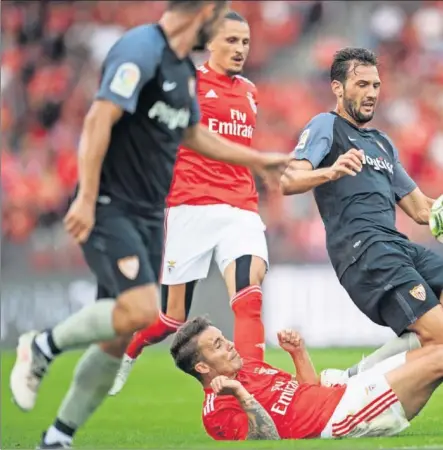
[436,219]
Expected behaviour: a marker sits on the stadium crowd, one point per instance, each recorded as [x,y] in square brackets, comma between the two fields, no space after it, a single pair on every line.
[51,56]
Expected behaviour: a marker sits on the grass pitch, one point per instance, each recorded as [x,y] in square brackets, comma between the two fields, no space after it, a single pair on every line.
[160,408]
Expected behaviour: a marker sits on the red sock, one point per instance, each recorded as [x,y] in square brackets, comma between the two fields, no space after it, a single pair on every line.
[159,330]
[249,332]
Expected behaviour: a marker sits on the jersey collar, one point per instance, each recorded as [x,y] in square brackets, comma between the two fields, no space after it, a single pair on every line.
[219,76]
[353,125]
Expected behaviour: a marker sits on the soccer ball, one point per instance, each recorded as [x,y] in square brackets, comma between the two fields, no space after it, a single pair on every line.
[436,219]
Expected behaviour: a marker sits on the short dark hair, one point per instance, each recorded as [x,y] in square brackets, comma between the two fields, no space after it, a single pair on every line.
[184,347]
[234,15]
[343,58]
[187,5]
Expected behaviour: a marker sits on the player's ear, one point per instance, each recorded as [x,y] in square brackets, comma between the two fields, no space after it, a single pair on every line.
[337,88]
[202,368]
[210,45]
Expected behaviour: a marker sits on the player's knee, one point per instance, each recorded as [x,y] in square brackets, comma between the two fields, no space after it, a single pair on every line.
[249,271]
[137,308]
[430,336]
[257,273]
[116,347]
[435,361]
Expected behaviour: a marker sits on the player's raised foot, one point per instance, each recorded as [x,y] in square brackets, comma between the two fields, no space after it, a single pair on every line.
[122,375]
[52,445]
[29,369]
[334,377]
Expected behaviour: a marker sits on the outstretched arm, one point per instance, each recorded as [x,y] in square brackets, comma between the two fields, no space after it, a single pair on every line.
[211,145]
[417,206]
[291,341]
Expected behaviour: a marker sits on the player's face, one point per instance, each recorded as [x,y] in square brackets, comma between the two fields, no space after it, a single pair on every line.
[360,92]
[230,46]
[218,355]
[212,16]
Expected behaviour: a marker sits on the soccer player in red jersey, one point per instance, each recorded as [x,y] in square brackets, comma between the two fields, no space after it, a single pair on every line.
[249,399]
[213,207]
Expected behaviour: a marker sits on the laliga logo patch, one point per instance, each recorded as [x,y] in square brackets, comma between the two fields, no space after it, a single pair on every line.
[252,102]
[303,139]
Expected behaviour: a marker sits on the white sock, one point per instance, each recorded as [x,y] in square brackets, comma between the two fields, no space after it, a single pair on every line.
[42,343]
[54,436]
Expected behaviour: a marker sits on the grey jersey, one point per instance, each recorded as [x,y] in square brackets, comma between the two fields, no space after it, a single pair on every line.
[356,211]
[142,75]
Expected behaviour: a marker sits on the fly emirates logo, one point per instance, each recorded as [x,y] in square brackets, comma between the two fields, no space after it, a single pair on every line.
[236,127]
[287,394]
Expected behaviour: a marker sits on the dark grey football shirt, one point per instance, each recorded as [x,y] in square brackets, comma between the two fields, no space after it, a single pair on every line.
[156,90]
[356,211]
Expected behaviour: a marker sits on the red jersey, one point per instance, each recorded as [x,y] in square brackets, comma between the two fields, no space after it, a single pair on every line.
[228,107]
[298,411]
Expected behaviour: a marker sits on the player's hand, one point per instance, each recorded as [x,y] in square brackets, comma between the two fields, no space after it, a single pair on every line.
[80,219]
[290,341]
[273,161]
[270,169]
[350,163]
[222,385]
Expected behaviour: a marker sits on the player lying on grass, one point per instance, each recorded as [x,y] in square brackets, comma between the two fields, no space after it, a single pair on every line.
[249,399]
[213,208]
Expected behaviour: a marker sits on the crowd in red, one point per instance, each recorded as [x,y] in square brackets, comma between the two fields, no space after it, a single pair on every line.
[50,68]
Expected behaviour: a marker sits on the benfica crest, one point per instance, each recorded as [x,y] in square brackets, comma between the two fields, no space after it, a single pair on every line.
[419,292]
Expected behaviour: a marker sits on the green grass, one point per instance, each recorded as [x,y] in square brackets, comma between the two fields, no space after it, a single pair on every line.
[161,408]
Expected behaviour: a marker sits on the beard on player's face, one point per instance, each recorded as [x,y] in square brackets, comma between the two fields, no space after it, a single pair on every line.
[353,108]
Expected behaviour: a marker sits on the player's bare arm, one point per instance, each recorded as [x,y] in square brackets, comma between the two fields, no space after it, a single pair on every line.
[261,426]
[292,342]
[300,177]
[417,206]
[201,140]
[94,143]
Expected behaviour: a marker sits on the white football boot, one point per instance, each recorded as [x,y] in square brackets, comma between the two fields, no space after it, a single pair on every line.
[29,369]
[122,375]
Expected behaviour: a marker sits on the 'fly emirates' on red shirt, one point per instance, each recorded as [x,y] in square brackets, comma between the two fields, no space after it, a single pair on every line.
[228,107]
[298,411]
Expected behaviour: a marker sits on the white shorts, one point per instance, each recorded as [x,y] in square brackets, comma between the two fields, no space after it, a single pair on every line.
[369,407]
[196,234]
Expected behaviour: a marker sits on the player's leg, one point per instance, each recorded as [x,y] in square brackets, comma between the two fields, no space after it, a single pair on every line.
[404,343]
[383,285]
[94,374]
[116,254]
[242,257]
[187,253]
[382,401]
[97,368]
[169,320]
[429,327]
[415,382]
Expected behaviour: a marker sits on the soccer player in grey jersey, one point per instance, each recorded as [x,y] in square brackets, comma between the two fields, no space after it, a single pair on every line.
[144,109]
[358,180]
